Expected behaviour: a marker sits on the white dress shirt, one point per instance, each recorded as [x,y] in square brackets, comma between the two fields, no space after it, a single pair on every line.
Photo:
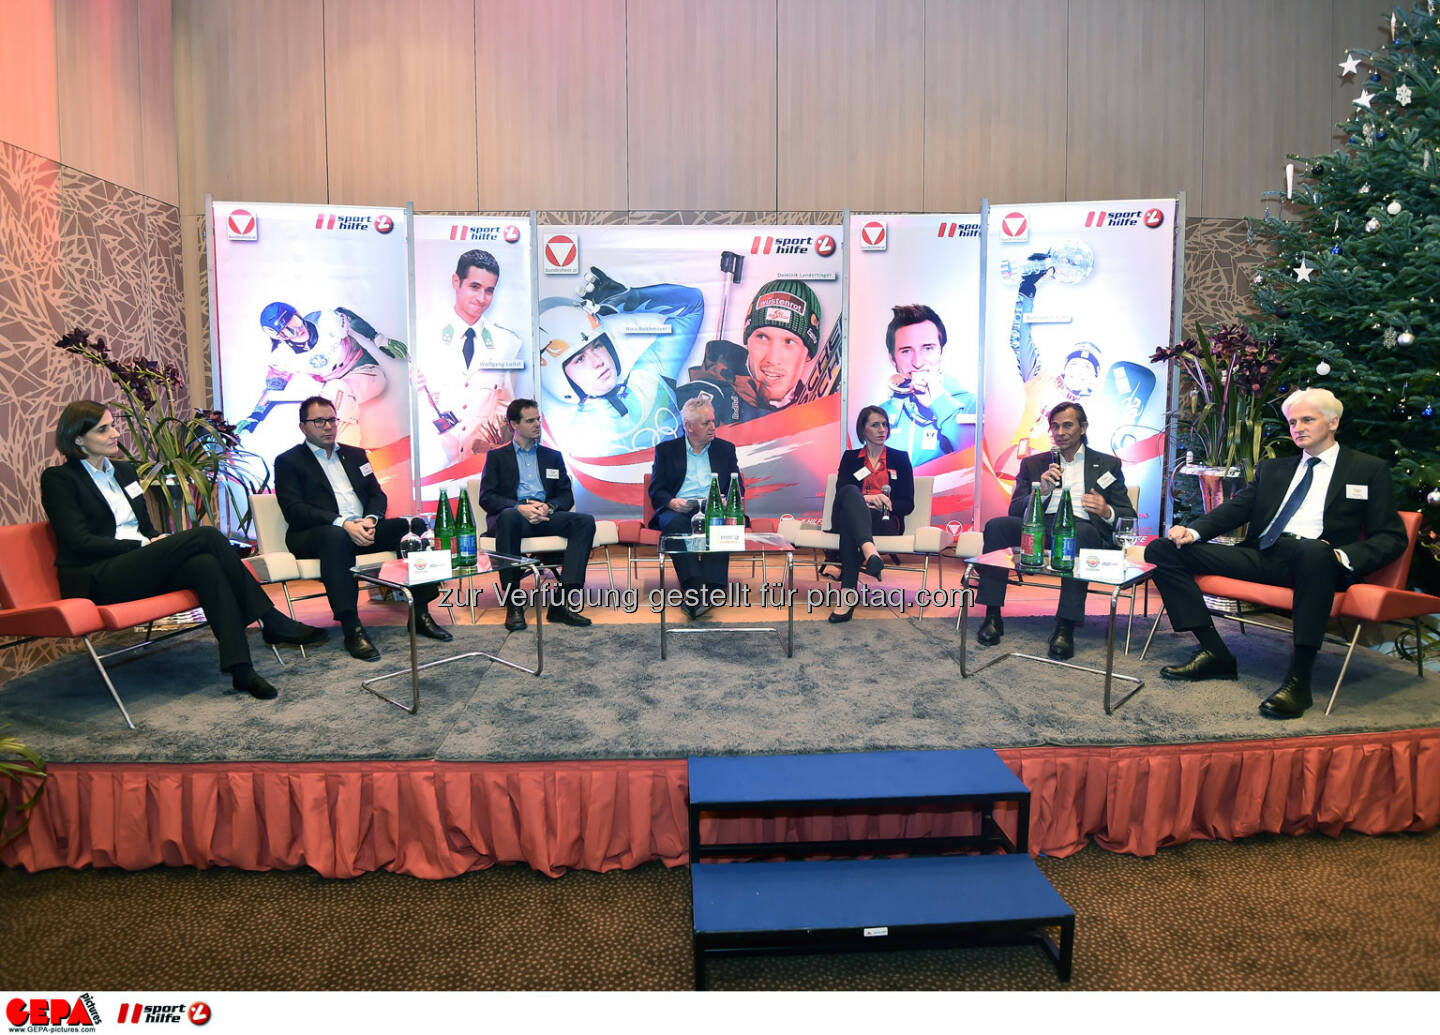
[127,526]
[346,500]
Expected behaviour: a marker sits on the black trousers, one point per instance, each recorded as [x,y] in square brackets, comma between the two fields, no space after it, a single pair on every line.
[856,524]
[710,569]
[332,545]
[579,532]
[1307,566]
[1004,531]
[199,559]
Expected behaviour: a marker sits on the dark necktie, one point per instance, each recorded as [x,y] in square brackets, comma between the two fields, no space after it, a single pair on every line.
[469,350]
[1292,504]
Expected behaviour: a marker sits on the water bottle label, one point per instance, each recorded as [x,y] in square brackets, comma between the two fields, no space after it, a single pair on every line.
[1029,545]
[466,545]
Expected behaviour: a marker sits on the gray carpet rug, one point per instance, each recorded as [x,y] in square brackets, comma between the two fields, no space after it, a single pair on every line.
[605,693]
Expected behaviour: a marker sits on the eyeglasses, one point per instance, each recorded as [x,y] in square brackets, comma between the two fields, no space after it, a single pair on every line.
[322,422]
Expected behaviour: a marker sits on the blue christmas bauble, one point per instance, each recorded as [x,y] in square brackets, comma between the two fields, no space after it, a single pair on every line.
[1428,411]
[1374,77]
[1335,250]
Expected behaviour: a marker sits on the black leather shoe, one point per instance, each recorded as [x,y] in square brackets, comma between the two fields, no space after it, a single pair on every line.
[360,647]
[837,618]
[1290,701]
[557,614]
[256,686]
[1203,665]
[514,618]
[425,626]
[990,631]
[874,566]
[295,635]
[1062,645]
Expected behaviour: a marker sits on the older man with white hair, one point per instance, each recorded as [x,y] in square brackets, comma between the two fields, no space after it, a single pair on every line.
[679,483]
[1318,522]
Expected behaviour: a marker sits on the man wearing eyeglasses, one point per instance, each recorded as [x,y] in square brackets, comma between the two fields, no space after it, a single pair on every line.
[335,508]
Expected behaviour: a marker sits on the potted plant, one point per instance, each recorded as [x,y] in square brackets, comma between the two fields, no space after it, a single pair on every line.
[28,766]
[183,458]
[1228,410]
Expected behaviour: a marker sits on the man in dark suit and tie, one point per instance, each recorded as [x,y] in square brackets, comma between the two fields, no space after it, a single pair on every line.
[679,484]
[1316,526]
[335,508]
[525,491]
[1097,494]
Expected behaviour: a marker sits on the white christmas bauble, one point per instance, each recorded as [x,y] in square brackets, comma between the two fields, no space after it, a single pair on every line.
[1405,338]
[1433,498]
[1322,368]
[1393,208]
[1258,279]
[1371,225]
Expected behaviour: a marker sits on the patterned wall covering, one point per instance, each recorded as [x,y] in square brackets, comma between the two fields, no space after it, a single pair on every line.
[75,250]
[1220,259]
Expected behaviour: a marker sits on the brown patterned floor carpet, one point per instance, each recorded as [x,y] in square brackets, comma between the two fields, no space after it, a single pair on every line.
[1266,913]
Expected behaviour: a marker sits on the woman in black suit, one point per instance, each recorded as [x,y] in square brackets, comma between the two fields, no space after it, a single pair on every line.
[874,491]
[110,552]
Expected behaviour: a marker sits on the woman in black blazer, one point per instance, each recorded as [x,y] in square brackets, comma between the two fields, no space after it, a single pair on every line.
[110,552]
[874,491]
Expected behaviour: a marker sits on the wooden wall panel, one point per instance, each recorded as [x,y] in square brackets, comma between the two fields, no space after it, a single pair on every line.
[1266,94]
[851,104]
[29,116]
[550,101]
[1135,105]
[97,57]
[995,102]
[157,102]
[400,102]
[255,79]
[702,104]
[1354,23]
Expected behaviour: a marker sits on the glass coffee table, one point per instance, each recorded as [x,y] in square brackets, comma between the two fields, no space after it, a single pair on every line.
[756,544]
[1135,574]
[393,574]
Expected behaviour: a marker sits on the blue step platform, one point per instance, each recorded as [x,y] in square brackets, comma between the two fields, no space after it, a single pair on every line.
[798,905]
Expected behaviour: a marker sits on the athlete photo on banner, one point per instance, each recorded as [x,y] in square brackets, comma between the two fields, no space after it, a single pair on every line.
[637,320]
[1079,296]
[914,346]
[312,300]
[474,350]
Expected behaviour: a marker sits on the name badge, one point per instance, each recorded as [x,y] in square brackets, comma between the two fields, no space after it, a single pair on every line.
[1357,492]
[1105,480]
[365,468]
[552,472]
[133,490]
[893,475]
[862,474]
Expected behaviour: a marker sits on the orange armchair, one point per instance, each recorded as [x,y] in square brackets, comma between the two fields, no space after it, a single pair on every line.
[31,606]
[1380,597]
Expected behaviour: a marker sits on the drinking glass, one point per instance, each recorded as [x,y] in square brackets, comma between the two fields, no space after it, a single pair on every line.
[411,541]
[1126,534]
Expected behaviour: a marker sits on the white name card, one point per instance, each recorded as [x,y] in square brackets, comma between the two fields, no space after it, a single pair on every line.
[427,565]
[727,537]
[1100,565]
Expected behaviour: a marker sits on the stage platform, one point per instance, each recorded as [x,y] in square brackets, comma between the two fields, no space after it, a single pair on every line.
[582,767]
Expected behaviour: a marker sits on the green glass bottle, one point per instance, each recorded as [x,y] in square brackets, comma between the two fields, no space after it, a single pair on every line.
[465,544]
[734,515]
[714,506]
[445,526]
[1032,531]
[1062,546]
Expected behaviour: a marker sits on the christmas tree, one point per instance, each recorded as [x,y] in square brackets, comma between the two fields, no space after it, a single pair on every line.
[1349,294]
